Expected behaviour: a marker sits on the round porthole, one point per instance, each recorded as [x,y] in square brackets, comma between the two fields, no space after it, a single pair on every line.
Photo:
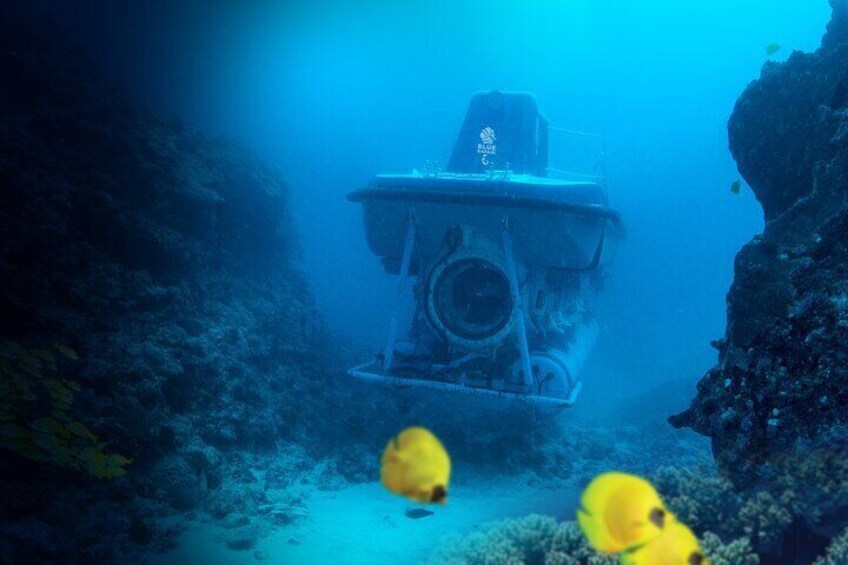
[471,302]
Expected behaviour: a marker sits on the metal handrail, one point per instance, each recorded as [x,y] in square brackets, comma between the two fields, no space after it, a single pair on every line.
[600,164]
[575,132]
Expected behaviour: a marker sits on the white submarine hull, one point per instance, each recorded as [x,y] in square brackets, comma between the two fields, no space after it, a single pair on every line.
[503,255]
[557,224]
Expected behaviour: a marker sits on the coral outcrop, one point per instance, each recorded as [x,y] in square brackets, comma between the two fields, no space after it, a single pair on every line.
[776,405]
[540,540]
[165,260]
[837,553]
[533,539]
[728,525]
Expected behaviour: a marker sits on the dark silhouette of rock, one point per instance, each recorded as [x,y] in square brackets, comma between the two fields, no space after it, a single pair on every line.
[167,259]
[837,29]
[776,405]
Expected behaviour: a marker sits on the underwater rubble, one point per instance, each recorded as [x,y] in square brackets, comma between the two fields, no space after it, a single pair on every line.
[776,405]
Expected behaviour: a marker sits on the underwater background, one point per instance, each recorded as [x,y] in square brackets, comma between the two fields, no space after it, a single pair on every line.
[185,283]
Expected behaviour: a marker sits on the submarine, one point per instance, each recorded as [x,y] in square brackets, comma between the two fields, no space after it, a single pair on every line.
[504,253]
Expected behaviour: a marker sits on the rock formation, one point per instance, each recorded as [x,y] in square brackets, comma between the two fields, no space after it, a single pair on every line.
[166,260]
[776,405]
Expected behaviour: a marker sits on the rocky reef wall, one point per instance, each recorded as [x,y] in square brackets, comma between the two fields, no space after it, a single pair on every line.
[166,260]
[776,404]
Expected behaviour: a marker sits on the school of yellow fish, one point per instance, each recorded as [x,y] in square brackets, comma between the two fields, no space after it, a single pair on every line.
[619,513]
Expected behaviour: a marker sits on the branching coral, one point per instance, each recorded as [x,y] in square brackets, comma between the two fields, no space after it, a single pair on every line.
[36,418]
[704,503]
[530,540]
[540,540]
[815,486]
[737,552]
[570,548]
[710,504]
[837,552]
[732,528]
[765,520]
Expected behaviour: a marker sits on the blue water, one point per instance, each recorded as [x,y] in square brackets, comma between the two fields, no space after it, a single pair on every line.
[332,93]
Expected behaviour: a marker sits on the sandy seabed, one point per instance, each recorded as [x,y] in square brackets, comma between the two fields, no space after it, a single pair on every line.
[365,524]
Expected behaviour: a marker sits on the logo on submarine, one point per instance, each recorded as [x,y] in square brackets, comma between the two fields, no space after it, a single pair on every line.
[487,145]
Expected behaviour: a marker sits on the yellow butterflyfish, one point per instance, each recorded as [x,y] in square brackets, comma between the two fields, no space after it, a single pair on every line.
[416,465]
[620,512]
[676,545]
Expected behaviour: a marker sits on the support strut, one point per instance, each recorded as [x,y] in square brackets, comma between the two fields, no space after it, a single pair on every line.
[521,330]
[408,246]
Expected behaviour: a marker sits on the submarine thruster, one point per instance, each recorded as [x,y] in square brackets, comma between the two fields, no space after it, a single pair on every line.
[503,250]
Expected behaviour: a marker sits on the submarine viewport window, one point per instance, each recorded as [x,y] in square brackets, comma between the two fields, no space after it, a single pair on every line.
[472,299]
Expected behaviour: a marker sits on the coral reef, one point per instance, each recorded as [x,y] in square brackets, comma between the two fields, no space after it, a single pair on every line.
[711,505]
[530,540]
[167,260]
[540,540]
[741,528]
[737,552]
[837,552]
[703,501]
[725,522]
[775,405]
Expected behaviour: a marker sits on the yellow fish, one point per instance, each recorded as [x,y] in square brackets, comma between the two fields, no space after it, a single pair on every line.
[772,48]
[620,511]
[676,545]
[416,465]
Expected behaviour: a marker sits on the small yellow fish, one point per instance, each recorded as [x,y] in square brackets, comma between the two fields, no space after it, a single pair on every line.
[772,48]
[736,187]
[416,465]
[620,511]
[676,545]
